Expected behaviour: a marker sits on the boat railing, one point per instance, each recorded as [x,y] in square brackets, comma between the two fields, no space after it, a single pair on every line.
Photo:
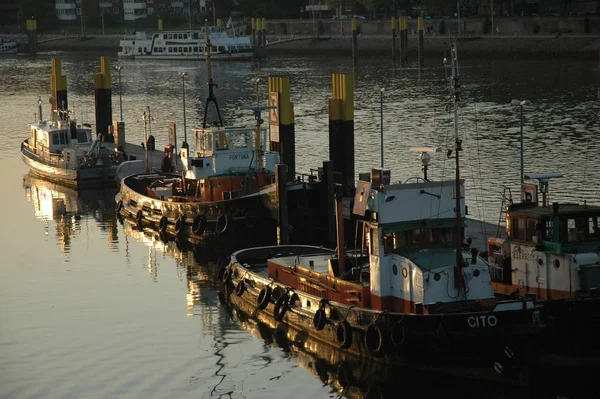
[312,176]
[55,160]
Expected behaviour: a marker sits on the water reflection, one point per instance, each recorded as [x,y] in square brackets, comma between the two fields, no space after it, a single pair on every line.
[70,210]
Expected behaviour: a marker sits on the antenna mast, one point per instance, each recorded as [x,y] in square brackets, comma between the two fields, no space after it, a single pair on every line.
[455,86]
[211,95]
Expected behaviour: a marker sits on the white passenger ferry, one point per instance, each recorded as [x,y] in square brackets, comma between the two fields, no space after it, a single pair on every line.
[186,45]
[8,47]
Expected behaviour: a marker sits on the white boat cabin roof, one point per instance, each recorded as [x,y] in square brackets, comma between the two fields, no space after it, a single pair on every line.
[56,135]
[209,141]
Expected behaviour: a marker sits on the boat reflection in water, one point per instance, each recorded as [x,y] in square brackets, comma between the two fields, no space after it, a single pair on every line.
[67,207]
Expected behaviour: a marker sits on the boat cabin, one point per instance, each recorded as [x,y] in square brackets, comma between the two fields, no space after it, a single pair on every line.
[54,136]
[227,151]
[552,251]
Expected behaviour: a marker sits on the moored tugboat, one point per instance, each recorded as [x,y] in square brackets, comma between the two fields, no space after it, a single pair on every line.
[409,294]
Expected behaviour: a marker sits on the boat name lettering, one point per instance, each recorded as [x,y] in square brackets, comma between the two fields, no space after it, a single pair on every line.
[520,254]
[235,157]
[482,321]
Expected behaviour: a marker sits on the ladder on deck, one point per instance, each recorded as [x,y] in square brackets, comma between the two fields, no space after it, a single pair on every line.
[506,202]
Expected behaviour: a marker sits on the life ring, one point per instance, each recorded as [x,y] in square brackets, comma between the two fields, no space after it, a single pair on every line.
[179,224]
[263,298]
[119,206]
[319,319]
[375,339]
[226,276]
[343,333]
[139,217]
[199,225]
[240,288]
[281,307]
[222,223]
[162,224]
[398,333]
[250,220]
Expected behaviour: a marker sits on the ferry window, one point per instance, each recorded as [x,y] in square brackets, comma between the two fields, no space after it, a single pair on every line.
[388,244]
[170,49]
[213,48]
[180,49]
[400,239]
[195,49]
[179,36]
[518,229]
[577,229]
[185,35]
[221,48]
[55,139]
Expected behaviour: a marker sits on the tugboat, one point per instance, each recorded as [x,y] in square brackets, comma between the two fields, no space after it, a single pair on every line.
[409,294]
[230,179]
[552,252]
[63,151]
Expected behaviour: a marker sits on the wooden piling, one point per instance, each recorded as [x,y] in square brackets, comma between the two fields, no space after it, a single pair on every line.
[281,124]
[32,43]
[354,39]
[160,24]
[282,219]
[341,127]
[103,100]
[394,38]
[420,30]
[58,85]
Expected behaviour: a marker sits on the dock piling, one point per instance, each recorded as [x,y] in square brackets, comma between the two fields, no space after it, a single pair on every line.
[32,42]
[341,127]
[354,39]
[103,100]
[282,217]
[58,85]
[281,124]
[403,21]
[394,38]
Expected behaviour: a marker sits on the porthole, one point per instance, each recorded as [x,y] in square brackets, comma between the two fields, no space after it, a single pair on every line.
[556,264]
[476,272]
[395,269]
[540,261]
[437,277]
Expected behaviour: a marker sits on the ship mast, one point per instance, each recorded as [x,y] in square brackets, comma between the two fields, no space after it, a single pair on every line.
[211,95]
[459,282]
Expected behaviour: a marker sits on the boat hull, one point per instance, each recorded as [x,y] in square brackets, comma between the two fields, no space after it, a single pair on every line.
[482,342]
[74,178]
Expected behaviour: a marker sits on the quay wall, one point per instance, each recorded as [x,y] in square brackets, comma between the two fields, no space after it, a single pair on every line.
[497,46]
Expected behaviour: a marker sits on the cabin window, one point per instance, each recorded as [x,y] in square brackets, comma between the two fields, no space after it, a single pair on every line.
[531,229]
[59,138]
[519,230]
[180,49]
[170,49]
[221,48]
[82,136]
[195,49]
[185,36]
[213,48]
[547,232]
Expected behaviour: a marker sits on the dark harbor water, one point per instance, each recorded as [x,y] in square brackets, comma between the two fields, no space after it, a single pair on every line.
[93,308]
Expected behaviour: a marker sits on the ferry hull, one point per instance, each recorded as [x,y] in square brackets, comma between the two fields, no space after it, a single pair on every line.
[214,57]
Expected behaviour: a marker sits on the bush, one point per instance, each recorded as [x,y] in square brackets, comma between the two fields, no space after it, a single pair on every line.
[442,28]
[536,28]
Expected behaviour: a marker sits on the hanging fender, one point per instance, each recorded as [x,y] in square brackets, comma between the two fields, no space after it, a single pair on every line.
[281,306]
[222,223]
[180,224]
[199,225]
[162,224]
[376,338]
[263,298]
[139,217]
[119,206]
[319,319]
[344,334]
[240,288]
